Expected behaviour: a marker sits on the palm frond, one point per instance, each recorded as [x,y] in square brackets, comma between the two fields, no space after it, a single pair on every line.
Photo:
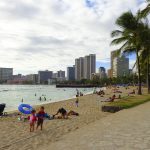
[127,21]
[116,33]
[145,12]
[118,41]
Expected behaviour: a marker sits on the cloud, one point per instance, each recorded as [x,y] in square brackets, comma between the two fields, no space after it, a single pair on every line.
[19,9]
[50,34]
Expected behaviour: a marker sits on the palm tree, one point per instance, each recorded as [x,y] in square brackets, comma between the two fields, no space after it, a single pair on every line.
[145,12]
[129,35]
[145,54]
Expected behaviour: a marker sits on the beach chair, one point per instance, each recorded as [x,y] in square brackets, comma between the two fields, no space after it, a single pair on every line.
[2,107]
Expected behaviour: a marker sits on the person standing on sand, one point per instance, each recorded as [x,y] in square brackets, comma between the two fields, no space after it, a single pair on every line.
[45,98]
[40,115]
[32,119]
[77,102]
[40,98]
[22,100]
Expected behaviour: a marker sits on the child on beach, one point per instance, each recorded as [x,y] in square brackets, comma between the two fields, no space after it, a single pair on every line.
[40,115]
[32,120]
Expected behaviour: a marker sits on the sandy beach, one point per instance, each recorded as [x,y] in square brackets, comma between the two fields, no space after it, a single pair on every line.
[15,134]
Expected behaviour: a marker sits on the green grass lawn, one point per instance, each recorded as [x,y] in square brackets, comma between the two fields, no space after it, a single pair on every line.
[131,101]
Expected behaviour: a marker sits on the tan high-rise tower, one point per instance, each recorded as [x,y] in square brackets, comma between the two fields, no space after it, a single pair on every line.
[85,66]
[89,66]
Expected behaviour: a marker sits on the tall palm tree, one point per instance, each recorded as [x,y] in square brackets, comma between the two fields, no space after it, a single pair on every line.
[128,35]
[145,12]
[145,54]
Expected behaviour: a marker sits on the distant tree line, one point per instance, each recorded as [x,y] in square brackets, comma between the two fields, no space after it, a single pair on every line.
[131,80]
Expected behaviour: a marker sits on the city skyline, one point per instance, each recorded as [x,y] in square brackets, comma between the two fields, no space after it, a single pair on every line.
[41,35]
[106,65]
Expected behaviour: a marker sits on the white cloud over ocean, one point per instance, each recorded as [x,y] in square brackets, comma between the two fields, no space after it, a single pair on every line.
[50,34]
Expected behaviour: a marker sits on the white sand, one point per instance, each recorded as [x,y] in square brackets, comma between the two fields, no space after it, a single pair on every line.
[15,135]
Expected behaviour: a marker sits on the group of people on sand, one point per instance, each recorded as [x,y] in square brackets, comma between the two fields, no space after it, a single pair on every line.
[38,118]
[111,99]
[101,93]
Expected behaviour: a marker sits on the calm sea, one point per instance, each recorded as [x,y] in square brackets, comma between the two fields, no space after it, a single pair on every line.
[12,95]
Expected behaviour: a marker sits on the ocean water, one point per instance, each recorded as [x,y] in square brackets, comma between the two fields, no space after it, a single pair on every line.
[12,95]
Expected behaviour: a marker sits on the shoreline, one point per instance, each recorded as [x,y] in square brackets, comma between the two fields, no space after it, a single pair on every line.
[48,103]
[12,96]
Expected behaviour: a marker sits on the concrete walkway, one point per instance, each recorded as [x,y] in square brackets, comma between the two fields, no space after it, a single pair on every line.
[125,130]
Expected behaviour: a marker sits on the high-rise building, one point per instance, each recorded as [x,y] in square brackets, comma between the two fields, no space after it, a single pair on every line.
[32,77]
[109,73]
[71,73]
[55,75]
[6,74]
[61,74]
[89,66]
[43,76]
[81,59]
[120,66]
[102,72]
[77,69]
[85,66]
[113,55]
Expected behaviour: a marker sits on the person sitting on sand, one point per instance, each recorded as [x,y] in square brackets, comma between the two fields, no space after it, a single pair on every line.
[64,113]
[40,115]
[81,94]
[32,119]
[113,97]
[119,96]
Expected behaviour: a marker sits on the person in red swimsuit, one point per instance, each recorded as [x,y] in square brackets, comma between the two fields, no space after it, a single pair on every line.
[40,117]
[32,119]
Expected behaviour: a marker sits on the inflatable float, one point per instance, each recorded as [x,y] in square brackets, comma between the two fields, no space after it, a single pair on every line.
[25,109]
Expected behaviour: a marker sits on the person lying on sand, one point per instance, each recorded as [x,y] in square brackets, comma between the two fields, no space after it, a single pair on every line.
[110,99]
[64,114]
[133,92]
[117,91]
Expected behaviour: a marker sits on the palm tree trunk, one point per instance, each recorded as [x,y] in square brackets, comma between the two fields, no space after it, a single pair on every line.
[148,72]
[139,74]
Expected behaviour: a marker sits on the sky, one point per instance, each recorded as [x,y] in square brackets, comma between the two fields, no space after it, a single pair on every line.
[50,34]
